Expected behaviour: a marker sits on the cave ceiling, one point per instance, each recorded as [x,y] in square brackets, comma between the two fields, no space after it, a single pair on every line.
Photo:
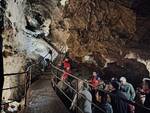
[111,27]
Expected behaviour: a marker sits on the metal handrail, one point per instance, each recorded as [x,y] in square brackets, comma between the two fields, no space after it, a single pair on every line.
[27,80]
[14,74]
[28,73]
[106,92]
[28,68]
[67,97]
[80,94]
[109,93]
[13,87]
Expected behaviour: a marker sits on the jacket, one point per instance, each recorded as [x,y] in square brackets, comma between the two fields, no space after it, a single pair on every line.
[118,103]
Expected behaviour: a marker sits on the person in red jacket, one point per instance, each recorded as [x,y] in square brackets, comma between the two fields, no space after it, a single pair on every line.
[66,64]
[94,81]
[65,74]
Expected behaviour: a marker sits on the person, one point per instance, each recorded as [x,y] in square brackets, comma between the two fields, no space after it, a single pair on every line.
[118,98]
[146,88]
[101,84]
[94,82]
[83,99]
[65,74]
[102,102]
[129,91]
[87,105]
[127,88]
[66,64]
[45,64]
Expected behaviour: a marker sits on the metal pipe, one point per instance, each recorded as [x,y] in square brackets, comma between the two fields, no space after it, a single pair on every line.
[26,88]
[14,74]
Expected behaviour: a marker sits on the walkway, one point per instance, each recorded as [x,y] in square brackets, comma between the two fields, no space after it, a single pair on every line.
[41,98]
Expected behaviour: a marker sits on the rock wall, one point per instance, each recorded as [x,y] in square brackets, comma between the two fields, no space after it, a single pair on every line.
[100,25]
[110,28]
[24,38]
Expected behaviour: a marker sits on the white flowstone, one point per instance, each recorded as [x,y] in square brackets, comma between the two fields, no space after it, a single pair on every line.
[24,42]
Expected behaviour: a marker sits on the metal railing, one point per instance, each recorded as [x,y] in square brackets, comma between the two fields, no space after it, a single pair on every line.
[28,73]
[17,86]
[76,91]
[79,94]
[104,91]
[27,80]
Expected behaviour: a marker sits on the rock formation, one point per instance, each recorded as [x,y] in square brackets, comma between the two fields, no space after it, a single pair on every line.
[114,33]
[111,29]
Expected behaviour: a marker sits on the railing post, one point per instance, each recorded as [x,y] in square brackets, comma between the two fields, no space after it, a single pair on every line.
[30,75]
[77,89]
[26,88]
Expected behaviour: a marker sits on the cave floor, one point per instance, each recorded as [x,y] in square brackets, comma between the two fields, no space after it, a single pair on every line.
[41,98]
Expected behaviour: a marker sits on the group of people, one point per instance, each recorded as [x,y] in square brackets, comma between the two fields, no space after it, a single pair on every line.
[114,103]
[121,96]
[121,93]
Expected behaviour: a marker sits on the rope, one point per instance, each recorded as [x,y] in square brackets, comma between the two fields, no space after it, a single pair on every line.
[80,94]
[67,97]
[113,95]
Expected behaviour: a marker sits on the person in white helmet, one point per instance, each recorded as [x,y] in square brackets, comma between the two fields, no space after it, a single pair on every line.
[127,88]
[129,91]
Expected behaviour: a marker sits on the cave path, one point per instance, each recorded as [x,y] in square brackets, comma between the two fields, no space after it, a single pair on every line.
[41,97]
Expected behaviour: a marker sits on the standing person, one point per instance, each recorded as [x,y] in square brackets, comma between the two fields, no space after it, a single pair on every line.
[65,74]
[66,64]
[87,105]
[102,102]
[117,98]
[67,68]
[146,88]
[127,88]
[129,91]
[45,64]
[83,100]
[144,92]
[94,82]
